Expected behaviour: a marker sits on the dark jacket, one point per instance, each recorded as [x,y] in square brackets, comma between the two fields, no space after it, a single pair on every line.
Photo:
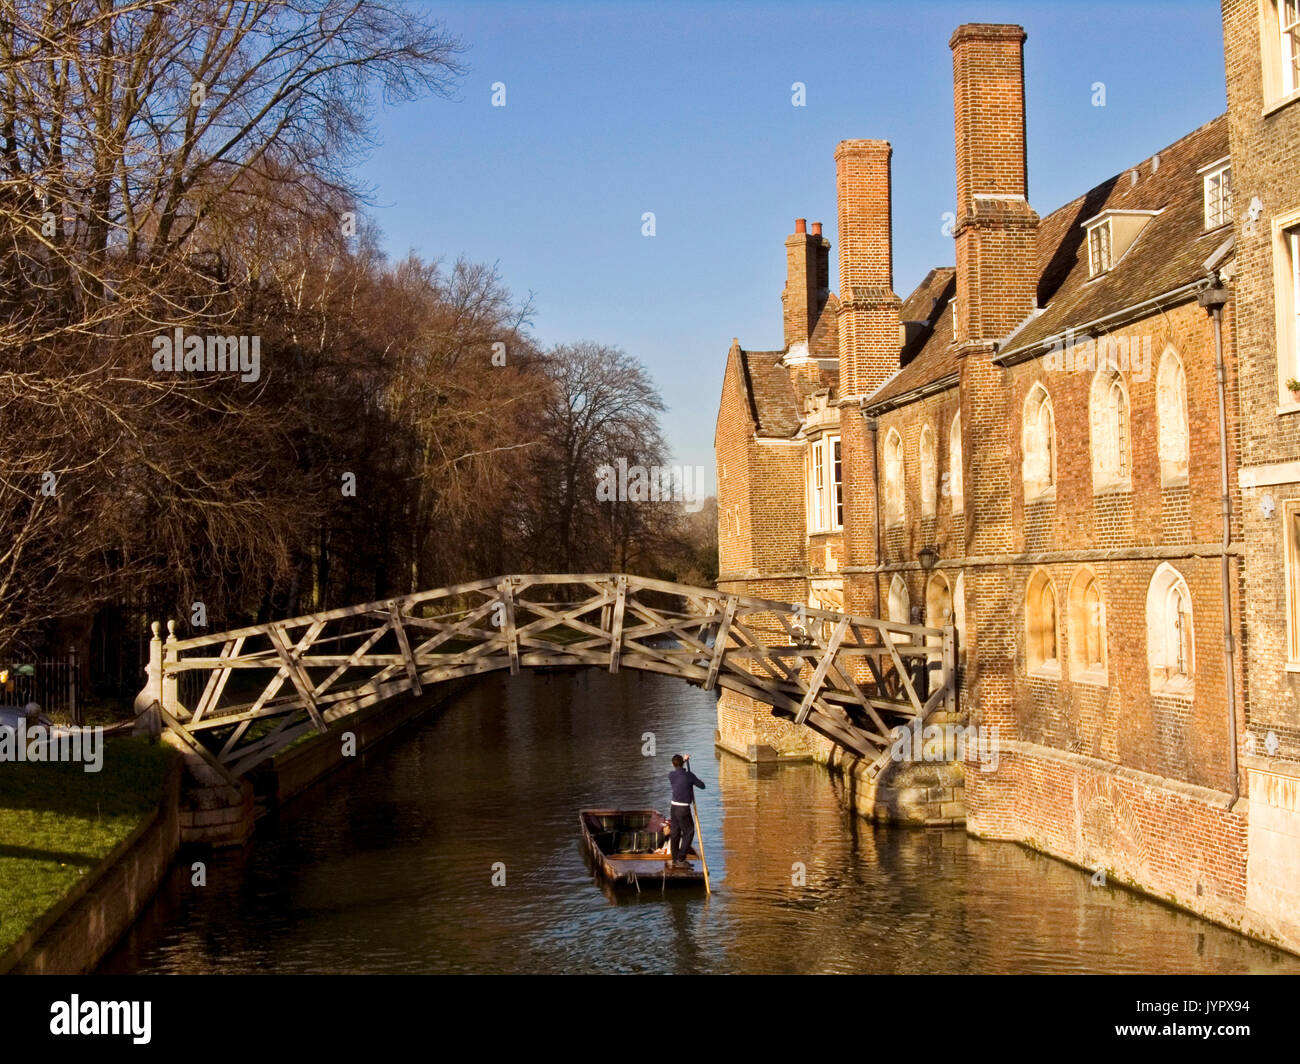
[682,780]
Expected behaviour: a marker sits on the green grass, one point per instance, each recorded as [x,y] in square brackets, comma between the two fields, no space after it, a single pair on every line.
[58,821]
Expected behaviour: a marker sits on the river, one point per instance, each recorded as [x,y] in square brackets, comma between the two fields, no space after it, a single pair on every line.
[388,866]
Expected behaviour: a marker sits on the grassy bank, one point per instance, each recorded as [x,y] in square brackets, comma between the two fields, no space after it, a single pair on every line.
[58,821]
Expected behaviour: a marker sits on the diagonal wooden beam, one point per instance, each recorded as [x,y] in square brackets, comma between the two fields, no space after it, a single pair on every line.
[819,674]
[413,674]
[217,681]
[297,675]
[194,746]
[720,641]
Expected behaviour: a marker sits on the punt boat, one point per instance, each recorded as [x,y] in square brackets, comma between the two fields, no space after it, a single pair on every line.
[625,847]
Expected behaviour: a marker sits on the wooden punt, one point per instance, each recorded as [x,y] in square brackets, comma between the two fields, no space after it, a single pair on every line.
[622,844]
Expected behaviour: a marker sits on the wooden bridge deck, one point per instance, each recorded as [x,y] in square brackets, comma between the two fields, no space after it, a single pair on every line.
[234,699]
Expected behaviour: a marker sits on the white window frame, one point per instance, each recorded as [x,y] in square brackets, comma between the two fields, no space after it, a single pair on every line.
[837,481]
[1217,196]
[1279,42]
[1286,297]
[1099,263]
[1288,32]
[1291,561]
[825,488]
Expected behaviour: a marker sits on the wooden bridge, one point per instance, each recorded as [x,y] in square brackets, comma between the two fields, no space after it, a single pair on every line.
[234,699]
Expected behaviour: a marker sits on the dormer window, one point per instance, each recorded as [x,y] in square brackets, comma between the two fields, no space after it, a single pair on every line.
[1099,248]
[1218,195]
[1110,234]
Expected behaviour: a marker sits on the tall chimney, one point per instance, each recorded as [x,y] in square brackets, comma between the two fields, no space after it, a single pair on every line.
[868,316]
[807,285]
[997,230]
[868,346]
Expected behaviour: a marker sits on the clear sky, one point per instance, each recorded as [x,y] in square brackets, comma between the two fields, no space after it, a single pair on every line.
[684,109]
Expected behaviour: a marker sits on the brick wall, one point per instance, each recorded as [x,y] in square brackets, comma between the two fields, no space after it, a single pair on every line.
[1264,137]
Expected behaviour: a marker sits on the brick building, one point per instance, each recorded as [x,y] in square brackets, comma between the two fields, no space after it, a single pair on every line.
[1262,52]
[1058,417]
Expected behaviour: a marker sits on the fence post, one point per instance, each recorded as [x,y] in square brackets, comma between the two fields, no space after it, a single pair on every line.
[74,686]
[171,680]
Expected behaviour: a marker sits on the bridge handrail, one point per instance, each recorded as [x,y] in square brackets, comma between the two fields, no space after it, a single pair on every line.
[493,583]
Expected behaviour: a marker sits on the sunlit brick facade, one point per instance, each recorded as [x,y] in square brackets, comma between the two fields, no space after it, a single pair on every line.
[1046,416]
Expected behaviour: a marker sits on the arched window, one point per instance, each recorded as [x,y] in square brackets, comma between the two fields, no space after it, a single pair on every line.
[1040,626]
[900,603]
[893,478]
[938,601]
[1171,413]
[954,465]
[1110,446]
[929,473]
[1087,628]
[1171,642]
[1038,442]
[938,614]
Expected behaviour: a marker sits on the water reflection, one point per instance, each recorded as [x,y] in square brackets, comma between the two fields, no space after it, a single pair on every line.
[387,866]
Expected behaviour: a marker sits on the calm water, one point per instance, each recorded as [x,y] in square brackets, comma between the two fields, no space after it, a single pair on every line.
[387,866]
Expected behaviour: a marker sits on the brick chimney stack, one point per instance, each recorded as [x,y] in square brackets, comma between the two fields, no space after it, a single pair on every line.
[868,344]
[807,281]
[868,315]
[997,230]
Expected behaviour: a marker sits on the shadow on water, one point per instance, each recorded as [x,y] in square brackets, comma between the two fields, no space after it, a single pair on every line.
[388,866]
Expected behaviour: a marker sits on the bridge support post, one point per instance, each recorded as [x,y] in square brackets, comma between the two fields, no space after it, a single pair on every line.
[148,719]
[616,624]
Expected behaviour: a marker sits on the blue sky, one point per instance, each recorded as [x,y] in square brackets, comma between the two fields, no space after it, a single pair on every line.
[684,109]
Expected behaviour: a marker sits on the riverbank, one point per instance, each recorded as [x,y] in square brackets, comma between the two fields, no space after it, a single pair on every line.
[82,853]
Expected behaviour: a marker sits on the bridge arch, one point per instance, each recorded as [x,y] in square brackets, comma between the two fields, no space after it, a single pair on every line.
[232,700]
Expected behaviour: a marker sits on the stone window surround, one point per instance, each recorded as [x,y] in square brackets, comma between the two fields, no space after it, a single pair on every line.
[1279,88]
[1038,403]
[1082,671]
[1286,300]
[1037,663]
[1164,582]
[1291,566]
[1120,479]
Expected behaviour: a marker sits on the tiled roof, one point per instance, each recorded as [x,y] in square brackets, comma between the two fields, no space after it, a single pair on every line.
[928,356]
[774,404]
[1168,253]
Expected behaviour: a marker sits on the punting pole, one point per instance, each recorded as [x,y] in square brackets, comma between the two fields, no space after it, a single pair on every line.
[695,815]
